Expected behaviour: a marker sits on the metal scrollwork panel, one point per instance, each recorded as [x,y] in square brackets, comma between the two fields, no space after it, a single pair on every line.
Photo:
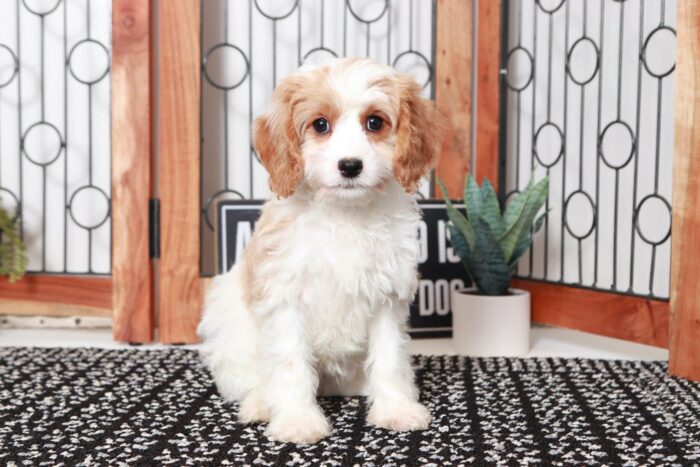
[590,103]
[248,46]
[55,130]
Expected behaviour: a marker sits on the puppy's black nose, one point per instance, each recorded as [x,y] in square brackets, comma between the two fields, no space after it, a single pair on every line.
[350,168]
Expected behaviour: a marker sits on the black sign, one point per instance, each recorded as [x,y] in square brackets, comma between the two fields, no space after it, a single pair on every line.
[440,269]
[236,222]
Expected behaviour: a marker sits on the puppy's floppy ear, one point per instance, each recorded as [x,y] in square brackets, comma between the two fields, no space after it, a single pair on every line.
[278,143]
[419,135]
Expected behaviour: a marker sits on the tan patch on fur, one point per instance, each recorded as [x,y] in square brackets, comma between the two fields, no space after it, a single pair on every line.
[296,103]
[270,230]
[419,134]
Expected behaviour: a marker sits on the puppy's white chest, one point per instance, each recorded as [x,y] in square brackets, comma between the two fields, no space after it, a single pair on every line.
[349,273]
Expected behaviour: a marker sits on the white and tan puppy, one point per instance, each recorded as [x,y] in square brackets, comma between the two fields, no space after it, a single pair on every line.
[319,302]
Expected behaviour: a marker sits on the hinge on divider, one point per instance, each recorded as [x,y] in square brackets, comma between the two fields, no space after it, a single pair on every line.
[154,228]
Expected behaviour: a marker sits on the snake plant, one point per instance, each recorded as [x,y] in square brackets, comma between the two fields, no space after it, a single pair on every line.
[488,243]
[13,252]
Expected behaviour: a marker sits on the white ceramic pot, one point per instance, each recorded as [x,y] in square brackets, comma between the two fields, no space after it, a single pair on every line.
[491,326]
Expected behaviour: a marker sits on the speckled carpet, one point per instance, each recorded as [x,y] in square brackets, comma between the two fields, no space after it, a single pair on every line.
[160,407]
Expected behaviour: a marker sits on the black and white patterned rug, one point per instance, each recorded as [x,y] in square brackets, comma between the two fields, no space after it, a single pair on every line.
[135,407]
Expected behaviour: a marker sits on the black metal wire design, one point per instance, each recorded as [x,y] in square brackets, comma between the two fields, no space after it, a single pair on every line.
[43,132]
[308,47]
[570,29]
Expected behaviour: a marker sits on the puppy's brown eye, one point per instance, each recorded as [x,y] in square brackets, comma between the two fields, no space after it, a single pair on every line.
[374,123]
[321,125]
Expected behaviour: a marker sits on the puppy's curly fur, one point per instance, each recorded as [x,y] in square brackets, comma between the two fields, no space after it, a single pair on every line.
[319,301]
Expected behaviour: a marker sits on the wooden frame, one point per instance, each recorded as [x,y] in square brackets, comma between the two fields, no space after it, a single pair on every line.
[631,318]
[132,275]
[598,312]
[614,315]
[126,295]
[488,75]
[57,296]
[180,285]
[453,89]
[685,290]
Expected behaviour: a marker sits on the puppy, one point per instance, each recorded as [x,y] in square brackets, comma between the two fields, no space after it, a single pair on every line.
[319,302]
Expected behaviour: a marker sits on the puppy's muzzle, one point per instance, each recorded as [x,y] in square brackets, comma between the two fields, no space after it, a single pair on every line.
[350,168]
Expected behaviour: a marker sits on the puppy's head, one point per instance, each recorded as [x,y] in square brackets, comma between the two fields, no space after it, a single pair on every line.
[345,129]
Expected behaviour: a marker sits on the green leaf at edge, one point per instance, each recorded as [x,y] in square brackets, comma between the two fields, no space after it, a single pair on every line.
[535,198]
[472,196]
[490,210]
[458,218]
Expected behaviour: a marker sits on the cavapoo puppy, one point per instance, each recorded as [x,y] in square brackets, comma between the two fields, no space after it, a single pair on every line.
[319,302]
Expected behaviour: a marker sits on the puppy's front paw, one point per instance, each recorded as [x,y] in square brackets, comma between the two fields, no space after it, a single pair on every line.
[302,427]
[253,409]
[399,416]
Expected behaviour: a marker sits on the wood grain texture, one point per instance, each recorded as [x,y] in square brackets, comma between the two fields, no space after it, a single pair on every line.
[179,168]
[453,89]
[684,355]
[57,310]
[131,171]
[487,118]
[75,292]
[608,314]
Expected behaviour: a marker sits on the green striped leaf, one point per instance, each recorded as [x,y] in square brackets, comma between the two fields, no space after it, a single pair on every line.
[526,241]
[487,265]
[457,218]
[459,243]
[472,197]
[490,210]
[515,207]
[535,196]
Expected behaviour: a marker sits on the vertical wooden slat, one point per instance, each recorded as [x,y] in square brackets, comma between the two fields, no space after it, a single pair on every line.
[684,356]
[179,169]
[488,90]
[453,89]
[132,280]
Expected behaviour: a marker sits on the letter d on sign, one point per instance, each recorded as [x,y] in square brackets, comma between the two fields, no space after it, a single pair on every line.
[426,297]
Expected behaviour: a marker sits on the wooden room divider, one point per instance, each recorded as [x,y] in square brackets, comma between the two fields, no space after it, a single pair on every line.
[674,324]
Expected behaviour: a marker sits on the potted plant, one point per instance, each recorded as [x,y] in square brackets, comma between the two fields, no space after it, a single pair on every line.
[491,319]
[13,252]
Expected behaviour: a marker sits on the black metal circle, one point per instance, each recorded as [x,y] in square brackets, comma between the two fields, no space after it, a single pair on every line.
[643,54]
[636,219]
[633,143]
[510,194]
[368,21]
[210,200]
[41,13]
[14,197]
[206,71]
[561,145]
[316,50]
[81,190]
[566,214]
[551,10]
[422,57]
[531,61]
[276,18]
[15,68]
[70,58]
[23,143]
[581,41]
